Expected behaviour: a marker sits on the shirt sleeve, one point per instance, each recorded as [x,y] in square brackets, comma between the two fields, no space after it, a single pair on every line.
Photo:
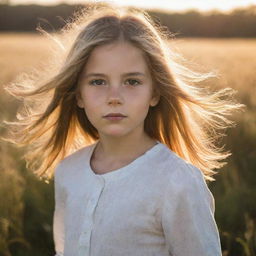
[58,217]
[188,217]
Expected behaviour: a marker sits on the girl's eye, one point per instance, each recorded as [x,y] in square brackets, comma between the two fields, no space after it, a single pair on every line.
[96,82]
[99,82]
[133,81]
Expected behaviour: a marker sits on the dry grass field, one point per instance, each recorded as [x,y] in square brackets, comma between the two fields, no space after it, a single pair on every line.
[233,59]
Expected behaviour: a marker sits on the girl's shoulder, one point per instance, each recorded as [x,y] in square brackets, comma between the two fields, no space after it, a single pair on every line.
[179,173]
[177,165]
[73,161]
[184,179]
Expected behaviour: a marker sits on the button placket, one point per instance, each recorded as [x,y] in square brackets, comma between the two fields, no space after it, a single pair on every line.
[84,239]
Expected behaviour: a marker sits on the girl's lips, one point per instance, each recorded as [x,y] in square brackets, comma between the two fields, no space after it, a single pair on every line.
[114,114]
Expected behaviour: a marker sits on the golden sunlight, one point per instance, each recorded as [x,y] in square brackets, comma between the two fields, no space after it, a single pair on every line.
[180,5]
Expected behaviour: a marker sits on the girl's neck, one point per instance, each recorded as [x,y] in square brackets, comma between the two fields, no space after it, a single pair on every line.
[122,150]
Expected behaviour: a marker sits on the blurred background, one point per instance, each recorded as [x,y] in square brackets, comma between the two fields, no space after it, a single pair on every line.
[212,35]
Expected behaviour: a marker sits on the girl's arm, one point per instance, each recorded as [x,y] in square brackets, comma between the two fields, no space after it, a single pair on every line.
[58,217]
[188,217]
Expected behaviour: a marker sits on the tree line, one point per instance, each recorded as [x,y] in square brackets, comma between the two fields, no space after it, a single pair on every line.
[240,22]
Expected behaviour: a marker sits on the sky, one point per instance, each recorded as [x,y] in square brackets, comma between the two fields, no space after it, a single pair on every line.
[175,5]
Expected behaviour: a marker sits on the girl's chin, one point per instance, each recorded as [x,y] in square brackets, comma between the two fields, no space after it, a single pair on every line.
[114,133]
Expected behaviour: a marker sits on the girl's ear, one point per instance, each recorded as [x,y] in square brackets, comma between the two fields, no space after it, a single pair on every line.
[154,100]
[79,100]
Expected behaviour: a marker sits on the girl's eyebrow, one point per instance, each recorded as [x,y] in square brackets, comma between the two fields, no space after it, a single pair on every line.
[125,74]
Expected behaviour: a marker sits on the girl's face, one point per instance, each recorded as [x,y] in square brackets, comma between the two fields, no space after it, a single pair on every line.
[116,80]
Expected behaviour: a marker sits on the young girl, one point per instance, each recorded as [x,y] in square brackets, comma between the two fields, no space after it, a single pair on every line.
[131,140]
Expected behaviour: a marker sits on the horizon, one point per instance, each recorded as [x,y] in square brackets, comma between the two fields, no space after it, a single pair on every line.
[181,5]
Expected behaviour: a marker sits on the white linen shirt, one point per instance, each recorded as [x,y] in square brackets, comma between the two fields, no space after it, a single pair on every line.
[157,205]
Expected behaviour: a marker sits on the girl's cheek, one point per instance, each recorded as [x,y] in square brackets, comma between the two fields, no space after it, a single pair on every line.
[93,99]
[96,94]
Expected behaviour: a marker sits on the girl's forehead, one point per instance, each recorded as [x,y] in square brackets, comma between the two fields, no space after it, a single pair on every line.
[117,56]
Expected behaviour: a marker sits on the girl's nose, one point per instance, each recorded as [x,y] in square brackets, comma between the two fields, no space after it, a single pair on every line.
[114,96]
[114,102]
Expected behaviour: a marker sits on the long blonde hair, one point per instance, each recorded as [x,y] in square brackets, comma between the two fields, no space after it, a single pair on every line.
[188,118]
